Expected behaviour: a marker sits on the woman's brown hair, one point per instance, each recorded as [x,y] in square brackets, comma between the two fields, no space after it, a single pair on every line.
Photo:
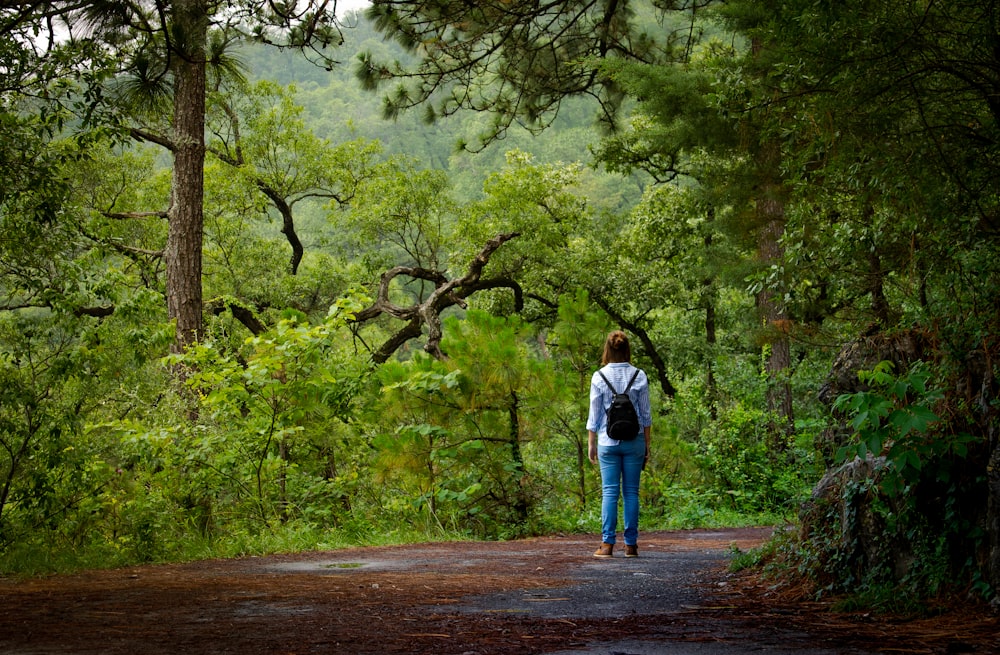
[616,348]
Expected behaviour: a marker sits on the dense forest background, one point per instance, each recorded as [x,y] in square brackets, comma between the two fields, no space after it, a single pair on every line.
[361,300]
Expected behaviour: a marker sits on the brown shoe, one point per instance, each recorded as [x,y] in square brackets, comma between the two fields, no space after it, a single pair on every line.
[604,550]
[631,551]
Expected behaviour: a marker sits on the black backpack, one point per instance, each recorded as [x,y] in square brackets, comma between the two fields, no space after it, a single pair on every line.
[623,421]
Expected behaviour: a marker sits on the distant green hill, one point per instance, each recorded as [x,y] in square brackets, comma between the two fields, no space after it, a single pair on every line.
[339,109]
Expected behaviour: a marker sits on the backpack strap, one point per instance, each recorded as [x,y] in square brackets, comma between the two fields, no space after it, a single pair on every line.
[610,386]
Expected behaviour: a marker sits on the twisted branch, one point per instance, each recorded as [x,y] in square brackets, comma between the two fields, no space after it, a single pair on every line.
[447,293]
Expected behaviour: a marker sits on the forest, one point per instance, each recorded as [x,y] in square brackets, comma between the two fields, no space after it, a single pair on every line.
[276,277]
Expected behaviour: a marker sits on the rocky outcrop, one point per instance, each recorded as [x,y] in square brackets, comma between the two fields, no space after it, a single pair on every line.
[858,533]
[846,523]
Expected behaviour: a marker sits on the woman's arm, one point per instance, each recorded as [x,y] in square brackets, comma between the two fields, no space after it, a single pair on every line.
[592,446]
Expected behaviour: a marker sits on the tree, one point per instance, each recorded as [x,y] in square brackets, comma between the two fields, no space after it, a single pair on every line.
[565,245]
[259,132]
[168,48]
[708,119]
[519,61]
[462,423]
[271,407]
[576,340]
[898,155]
[428,312]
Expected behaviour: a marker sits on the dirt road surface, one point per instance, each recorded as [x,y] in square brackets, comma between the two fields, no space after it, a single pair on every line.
[544,595]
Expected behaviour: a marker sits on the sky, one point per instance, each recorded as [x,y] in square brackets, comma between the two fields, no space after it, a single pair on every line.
[348,5]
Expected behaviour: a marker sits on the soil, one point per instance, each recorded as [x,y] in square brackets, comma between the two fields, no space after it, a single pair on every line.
[544,595]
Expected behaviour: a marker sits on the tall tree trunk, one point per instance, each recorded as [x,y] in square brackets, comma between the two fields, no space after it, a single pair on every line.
[990,418]
[709,298]
[771,221]
[186,218]
[876,285]
[711,392]
[993,514]
[521,499]
[283,460]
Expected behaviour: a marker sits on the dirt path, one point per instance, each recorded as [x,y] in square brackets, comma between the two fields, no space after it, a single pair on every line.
[545,595]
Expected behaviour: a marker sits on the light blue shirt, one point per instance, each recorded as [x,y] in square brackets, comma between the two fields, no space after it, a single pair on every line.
[618,373]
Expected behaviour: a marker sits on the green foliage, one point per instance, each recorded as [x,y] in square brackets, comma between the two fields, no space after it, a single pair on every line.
[733,453]
[62,368]
[578,336]
[539,202]
[463,426]
[403,215]
[288,439]
[60,477]
[880,553]
[895,419]
[264,415]
[894,523]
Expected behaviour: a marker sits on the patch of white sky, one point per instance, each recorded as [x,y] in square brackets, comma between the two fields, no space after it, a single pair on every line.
[344,6]
[60,31]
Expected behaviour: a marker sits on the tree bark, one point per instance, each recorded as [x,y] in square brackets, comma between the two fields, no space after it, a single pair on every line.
[711,392]
[993,516]
[709,298]
[770,219]
[990,418]
[517,457]
[287,226]
[243,314]
[186,218]
[876,286]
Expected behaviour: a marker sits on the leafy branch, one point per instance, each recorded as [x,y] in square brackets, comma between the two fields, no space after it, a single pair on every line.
[895,419]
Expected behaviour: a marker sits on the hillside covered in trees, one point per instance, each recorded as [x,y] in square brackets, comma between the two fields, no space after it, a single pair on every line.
[273,278]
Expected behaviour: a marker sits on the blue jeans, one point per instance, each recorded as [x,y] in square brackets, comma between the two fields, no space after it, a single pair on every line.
[621,467]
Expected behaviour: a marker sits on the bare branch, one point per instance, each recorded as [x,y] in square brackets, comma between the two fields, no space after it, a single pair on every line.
[131,215]
[96,312]
[152,137]
[243,314]
[447,293]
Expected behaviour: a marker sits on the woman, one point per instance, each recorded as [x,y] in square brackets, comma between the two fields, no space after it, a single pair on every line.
[621,461]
